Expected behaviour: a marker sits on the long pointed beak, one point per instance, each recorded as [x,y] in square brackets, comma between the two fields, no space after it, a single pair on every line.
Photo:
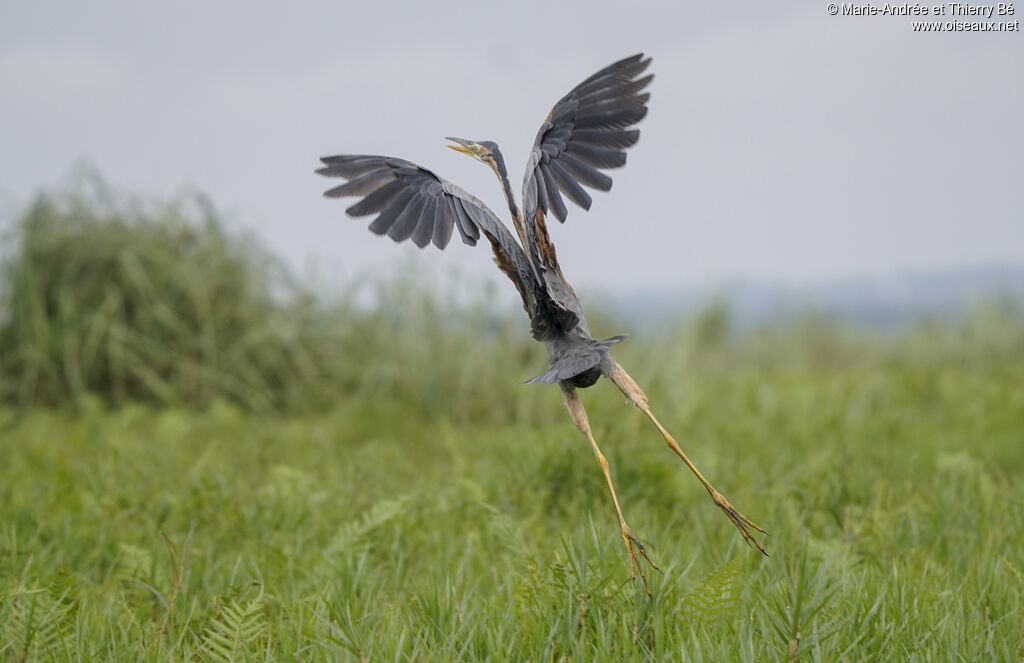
[461,145]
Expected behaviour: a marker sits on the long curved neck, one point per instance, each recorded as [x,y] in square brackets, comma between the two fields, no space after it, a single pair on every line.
[506,187]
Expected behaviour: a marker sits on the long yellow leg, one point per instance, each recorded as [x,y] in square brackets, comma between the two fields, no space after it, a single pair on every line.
[633,545]
[629,387]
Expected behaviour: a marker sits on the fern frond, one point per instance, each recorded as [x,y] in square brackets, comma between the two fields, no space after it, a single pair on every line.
[236,632]
[715,595]
[133,562]
[352,535]
[35,622]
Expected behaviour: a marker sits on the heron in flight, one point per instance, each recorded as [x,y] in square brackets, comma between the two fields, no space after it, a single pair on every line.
[585,133]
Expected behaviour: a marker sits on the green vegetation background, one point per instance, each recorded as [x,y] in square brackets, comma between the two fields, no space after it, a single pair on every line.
[201,458]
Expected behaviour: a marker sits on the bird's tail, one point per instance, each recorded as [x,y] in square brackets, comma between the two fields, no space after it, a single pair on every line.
[577,360]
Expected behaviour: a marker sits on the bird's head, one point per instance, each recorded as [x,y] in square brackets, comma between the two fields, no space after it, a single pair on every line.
[485,150]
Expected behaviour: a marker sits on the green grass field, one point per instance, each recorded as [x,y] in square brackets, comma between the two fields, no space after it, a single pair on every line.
[892,491]
[192,469]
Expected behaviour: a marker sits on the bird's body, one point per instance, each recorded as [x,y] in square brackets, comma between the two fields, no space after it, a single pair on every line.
[586,132]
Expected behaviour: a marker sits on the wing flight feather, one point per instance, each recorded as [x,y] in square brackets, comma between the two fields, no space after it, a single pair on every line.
[413,203]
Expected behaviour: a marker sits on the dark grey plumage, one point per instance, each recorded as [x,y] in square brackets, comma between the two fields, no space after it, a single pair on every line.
[413,202]
[580,364]
[586,132]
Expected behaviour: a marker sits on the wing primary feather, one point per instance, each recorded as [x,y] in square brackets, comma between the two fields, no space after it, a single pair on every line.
[620,89]
[569,186]
[584,174]
[413,203]
[376,201]
[554,198]
[443,224]
[470,212]
[467,229]
[595,156]
[349,166]
[425,226]
[623,70]
[362,185]
[383,222]
[405,224]
[610,106]
[619,120]
[586,131]
[607,137]
[613,69]
[542,190]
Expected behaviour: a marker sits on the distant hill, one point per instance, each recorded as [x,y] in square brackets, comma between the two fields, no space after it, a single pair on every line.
[875,302]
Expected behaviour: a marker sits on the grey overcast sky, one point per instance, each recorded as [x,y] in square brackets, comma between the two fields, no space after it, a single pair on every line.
[782,143]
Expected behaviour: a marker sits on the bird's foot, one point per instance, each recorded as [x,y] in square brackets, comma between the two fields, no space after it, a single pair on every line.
[742,523]
[636,551]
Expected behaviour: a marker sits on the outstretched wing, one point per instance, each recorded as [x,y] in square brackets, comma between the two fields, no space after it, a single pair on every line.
[587,131]
[413,203]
